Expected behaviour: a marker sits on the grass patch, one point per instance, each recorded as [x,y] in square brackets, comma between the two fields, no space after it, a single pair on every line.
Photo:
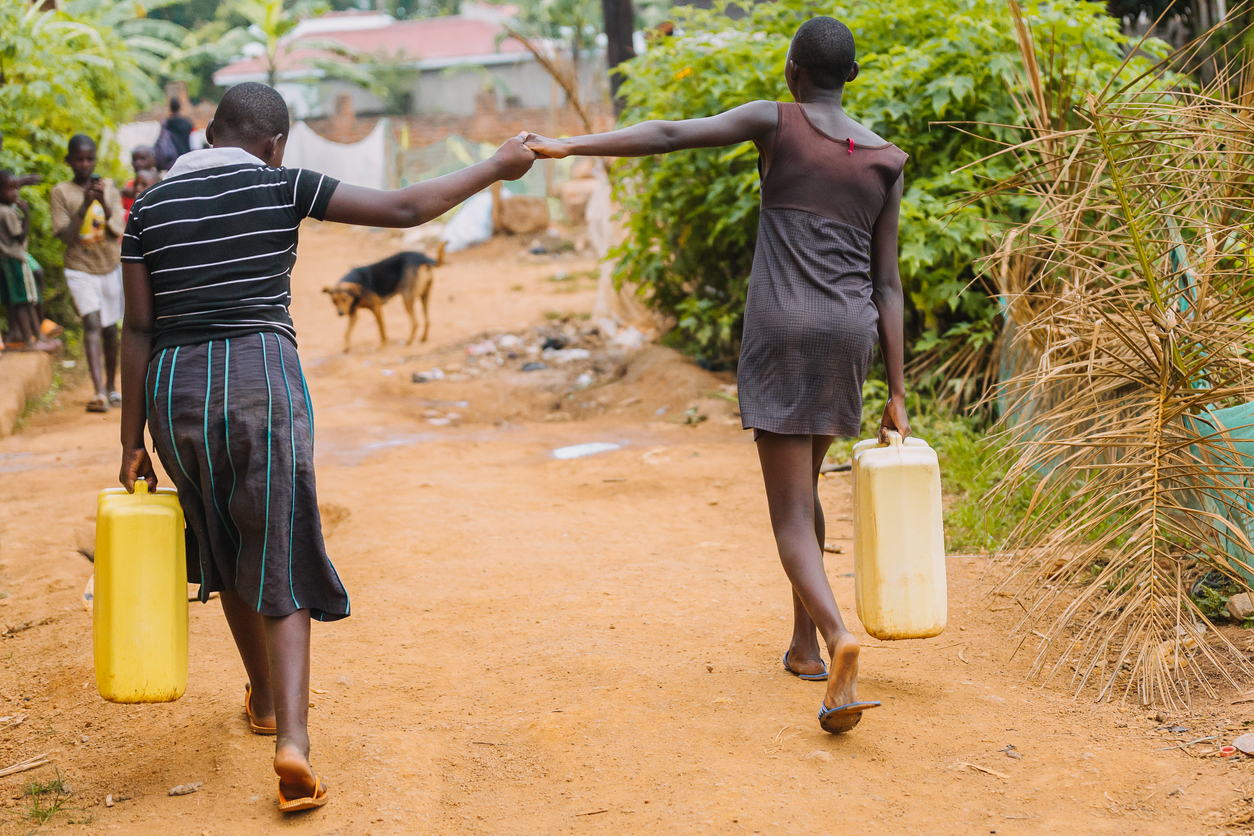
[44,799]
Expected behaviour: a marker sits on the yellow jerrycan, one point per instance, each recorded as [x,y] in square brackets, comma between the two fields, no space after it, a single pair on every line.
[139,606]
[899,539]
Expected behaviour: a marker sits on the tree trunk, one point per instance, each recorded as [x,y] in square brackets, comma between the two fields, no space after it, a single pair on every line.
[620,23]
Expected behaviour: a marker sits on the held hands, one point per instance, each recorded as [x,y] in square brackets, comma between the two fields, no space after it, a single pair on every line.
[545,148]
[514,158]
[137,465]
[894,419]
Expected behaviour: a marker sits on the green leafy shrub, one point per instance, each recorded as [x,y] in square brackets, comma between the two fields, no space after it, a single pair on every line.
[693,215]
[58,76]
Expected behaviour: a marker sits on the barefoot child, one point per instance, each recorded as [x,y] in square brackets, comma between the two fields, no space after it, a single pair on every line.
[18,288]
[209,364]
[824,286]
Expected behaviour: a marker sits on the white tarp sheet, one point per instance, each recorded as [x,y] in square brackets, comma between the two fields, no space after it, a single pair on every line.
[363,163]
[472,224]
[133,134]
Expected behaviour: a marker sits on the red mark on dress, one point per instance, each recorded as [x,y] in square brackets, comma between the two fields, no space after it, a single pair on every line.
[850,145]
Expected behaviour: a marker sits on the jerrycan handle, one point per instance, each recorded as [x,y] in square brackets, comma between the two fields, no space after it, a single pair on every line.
[894,439]
[141,486]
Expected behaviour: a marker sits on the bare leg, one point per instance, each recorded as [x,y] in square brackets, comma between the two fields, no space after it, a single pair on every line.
[788,470]
[803,652]
[287,640]
[95,354]
[248,630]
[109,340]
[28,325]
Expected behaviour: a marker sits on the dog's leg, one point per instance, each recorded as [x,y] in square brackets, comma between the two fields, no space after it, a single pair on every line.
[377,310]
[408,299]
[426,296]
[348,332]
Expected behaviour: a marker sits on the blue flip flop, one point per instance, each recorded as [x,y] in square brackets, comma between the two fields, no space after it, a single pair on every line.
[809,677]
[842,718]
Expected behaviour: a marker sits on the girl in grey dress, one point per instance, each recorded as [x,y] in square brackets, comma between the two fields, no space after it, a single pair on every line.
[823,291]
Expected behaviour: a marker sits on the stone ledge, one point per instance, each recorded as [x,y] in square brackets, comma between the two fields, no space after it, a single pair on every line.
[23,375]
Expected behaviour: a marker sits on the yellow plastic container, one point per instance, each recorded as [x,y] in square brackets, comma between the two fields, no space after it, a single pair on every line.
[899,539]
[139,606]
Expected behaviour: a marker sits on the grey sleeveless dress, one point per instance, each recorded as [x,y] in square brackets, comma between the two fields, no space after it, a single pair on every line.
[810,326]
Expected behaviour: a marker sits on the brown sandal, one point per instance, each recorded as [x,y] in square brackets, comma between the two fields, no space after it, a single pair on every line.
[100,403]
[256,727]
[309,802]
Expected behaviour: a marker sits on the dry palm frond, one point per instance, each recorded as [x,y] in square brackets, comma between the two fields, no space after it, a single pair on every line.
[1131,290]
[559,67]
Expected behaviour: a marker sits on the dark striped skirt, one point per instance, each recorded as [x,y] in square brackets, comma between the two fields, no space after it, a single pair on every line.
[233,425]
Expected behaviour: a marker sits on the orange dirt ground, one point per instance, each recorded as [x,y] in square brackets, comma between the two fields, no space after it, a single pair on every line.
[541,646]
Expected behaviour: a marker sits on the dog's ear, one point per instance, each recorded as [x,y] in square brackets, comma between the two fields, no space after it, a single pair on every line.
[330,290]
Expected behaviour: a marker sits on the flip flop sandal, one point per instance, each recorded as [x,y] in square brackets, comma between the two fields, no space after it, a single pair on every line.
[309,802]
[115,398]
[248,708]
[842,718]
[808,677]
[98,404]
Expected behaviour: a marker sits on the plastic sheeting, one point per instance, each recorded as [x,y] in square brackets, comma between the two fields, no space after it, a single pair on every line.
[473,222]
[365,163]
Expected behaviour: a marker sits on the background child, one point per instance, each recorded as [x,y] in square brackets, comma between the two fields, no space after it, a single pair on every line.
[144,163]
[18,287]
[87,215]
[824,286]
[209,364]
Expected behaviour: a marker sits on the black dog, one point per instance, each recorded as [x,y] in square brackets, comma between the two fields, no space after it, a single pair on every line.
[407,274]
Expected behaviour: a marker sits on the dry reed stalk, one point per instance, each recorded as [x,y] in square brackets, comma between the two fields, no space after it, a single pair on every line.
[1131,292]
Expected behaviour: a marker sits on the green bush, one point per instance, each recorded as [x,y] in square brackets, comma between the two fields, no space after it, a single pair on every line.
[693,215]
[58,76]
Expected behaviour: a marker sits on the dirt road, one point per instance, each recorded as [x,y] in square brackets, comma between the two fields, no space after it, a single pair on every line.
[546,646]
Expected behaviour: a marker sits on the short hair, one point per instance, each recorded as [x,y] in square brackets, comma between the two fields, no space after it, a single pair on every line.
[6,177]
[252,112]
[143,149]
[175,104]
[824,47]
[78,142]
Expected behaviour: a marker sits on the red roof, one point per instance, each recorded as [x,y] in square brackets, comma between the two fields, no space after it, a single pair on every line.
[440,39]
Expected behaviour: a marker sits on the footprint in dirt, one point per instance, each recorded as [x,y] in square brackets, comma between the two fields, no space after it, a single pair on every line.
[332,515]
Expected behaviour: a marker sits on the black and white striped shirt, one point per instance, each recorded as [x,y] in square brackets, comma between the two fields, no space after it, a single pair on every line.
[219,241]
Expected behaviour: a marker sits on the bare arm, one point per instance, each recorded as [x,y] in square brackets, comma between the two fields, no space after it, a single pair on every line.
[419,203]
[887,296]
[67,222]
[753,122]
[136,349]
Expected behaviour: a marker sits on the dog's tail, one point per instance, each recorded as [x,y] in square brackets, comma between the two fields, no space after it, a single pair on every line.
[439,254]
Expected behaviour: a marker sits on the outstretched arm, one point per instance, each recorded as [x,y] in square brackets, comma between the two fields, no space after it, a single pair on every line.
[753,122]
[136,349]
[419,203]
[887,297]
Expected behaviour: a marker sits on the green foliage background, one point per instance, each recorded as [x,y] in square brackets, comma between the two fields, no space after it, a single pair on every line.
[59,75]
[694,214]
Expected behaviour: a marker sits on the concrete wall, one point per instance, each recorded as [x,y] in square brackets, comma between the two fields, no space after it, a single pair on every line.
[522,84]
[23,374]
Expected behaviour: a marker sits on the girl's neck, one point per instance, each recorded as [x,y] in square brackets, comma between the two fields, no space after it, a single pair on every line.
[823,98]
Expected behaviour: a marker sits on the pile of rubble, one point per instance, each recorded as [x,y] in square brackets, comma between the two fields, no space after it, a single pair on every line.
[589,353]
